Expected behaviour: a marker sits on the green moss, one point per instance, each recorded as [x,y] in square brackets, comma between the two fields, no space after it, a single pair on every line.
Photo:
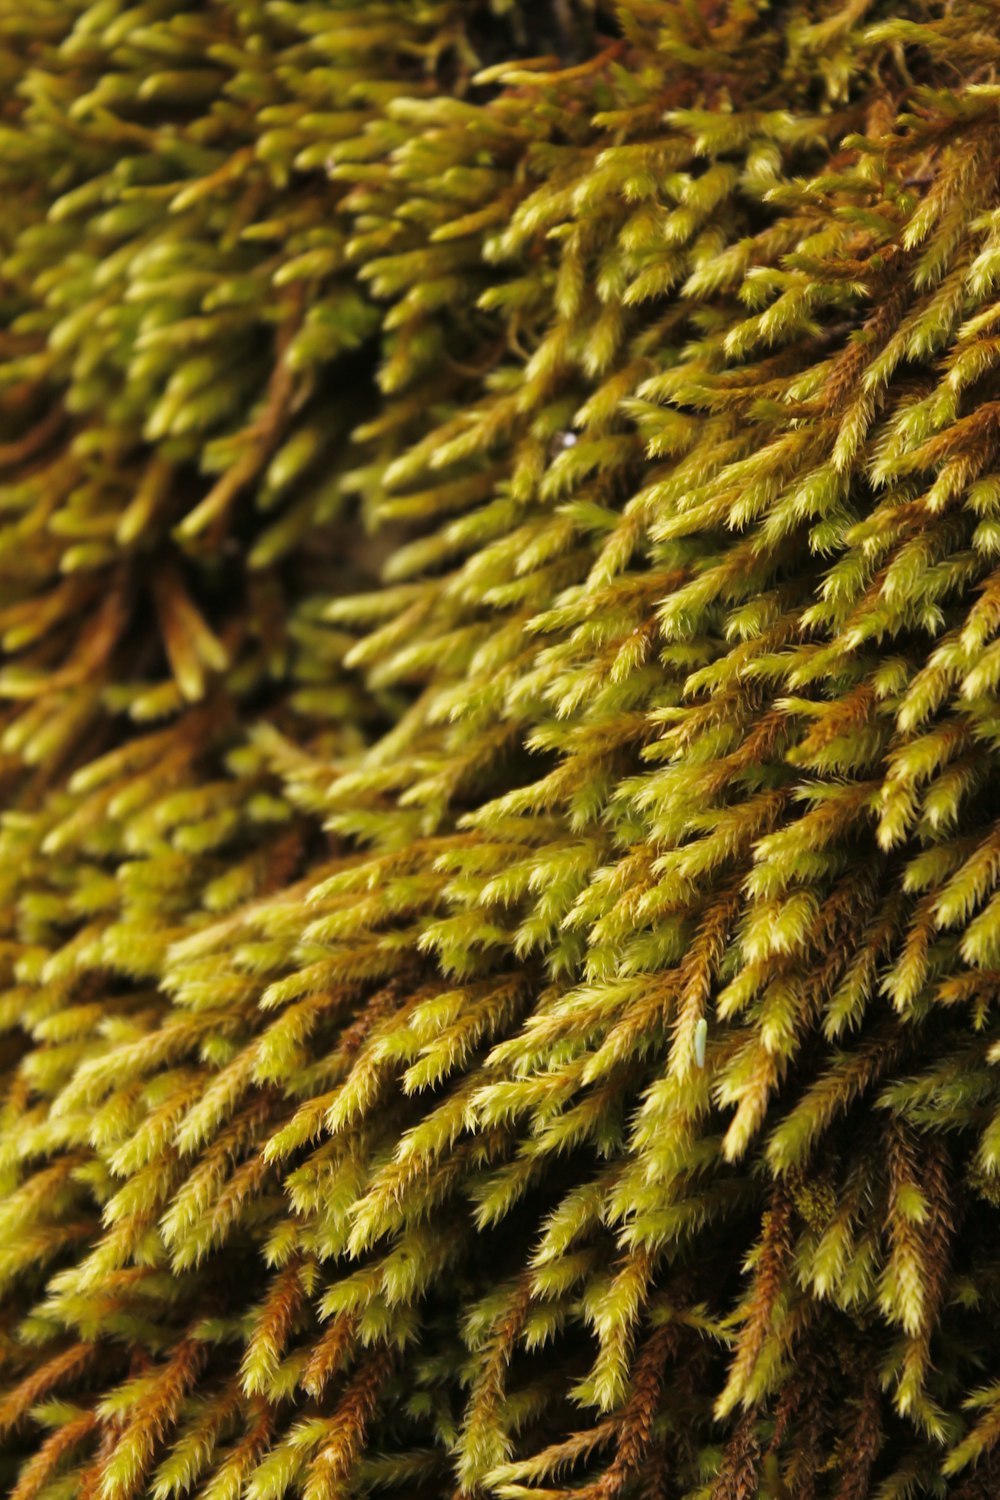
[499,705]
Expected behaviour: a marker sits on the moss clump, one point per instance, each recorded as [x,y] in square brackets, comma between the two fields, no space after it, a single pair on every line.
[500,866]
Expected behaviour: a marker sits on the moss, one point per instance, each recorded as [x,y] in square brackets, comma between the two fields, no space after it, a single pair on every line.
[499,912]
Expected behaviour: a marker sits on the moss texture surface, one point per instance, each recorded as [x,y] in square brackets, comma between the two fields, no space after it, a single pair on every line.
[499,735]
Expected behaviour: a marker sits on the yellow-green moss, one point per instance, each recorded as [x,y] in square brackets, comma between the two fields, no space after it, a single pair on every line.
[499,711]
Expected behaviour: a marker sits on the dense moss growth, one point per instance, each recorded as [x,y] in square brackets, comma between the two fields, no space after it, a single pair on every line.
[499,726]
